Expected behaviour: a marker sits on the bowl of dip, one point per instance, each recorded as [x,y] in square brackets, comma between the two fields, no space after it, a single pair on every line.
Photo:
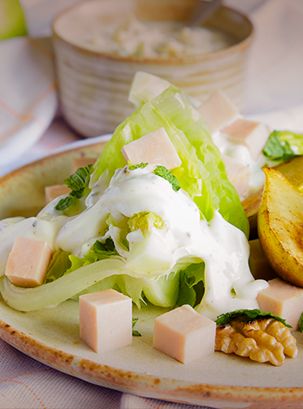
[100,45]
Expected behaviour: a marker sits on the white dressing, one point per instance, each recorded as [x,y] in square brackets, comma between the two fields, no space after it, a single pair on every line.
[228,282]
[180,237]
[240,154]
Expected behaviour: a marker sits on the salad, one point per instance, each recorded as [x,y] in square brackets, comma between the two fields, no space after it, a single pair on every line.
[164,237]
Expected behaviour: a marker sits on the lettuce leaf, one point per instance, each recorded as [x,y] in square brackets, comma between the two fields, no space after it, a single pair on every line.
[162,292]
[97,276]
[99,251]
[59,264]
[202,173]
[62,289]
[191,284]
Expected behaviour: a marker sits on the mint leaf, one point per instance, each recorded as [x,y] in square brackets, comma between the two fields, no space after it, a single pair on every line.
[100,251]
[164,173]
[108,246]
[135,332]
[65,203]
[280,145]
[300,323]
[78,183]
[247,316]
[141,165]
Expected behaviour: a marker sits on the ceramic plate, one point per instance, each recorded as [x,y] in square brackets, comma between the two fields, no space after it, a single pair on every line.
[52,336]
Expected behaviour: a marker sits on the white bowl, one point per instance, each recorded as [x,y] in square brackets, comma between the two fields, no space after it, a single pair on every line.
[94,85]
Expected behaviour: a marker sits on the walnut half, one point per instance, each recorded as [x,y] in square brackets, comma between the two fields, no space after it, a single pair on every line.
[261,340]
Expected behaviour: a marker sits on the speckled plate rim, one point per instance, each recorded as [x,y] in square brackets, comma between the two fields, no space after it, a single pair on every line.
[144,385]
[132,382]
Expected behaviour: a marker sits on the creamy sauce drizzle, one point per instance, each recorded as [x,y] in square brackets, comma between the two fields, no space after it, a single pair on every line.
[223,248]
[240,154]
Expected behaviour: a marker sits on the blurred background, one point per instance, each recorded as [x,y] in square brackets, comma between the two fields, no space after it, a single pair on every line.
[60,80]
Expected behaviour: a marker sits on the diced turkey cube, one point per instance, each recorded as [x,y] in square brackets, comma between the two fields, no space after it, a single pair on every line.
[106,320]
[282,299]
[184,334]
[218,111]
[27,262]
[252,134]
[238,174]
[81,162]
[51,192]
[154,148]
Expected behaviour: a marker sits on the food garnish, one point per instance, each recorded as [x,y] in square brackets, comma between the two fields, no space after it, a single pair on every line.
[78,183]
[257,335]
[300,323]
[283,145]
[248,316]
[164,173]
[141,165]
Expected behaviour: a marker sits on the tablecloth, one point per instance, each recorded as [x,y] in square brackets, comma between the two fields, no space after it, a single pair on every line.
[274,83]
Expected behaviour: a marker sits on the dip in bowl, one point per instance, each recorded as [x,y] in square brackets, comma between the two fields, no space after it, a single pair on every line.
[100,44]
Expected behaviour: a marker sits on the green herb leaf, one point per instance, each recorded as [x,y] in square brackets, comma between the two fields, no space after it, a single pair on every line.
[141,165]
[78,183]
[135,332]
[247,316]
[283,145]
[65,203]
[300,323]
[101,249]
[164,173]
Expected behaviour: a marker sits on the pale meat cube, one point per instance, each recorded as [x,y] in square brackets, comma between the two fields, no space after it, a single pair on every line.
[154,148]
[250,133]
[184,334]
[81,162]
[282,299]
[218,111]
[238,174]
[51,192]
[27,262]
[105,320]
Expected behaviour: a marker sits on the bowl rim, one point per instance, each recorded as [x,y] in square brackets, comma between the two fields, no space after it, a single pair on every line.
[237,47]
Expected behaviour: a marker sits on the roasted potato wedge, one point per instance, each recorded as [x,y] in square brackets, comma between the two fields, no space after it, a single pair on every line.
[251,206]
[293,171]
[258,262]
[280,226]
